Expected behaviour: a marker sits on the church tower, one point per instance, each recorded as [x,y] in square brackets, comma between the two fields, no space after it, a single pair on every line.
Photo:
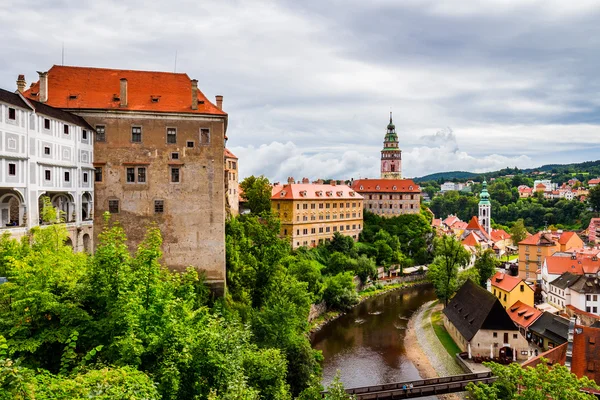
[391,155]
[485,208]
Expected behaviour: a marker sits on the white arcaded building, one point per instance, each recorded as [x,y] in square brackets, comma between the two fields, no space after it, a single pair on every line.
[45,151]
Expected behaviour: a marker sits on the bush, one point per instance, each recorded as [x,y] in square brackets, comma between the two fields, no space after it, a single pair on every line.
[340,292]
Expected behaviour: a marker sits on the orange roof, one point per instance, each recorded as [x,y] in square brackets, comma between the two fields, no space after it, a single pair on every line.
[96,88]
[386,186]
[557,355]
[474,225]
[314,191]
[586,348]
[436,222]
[451,219]
[459,225]
[565,237]
[594,181]
[582,264]
[539,239]
[505,282]
[540,186]
[470,240]
[229,154]
[522,314]
[499,234]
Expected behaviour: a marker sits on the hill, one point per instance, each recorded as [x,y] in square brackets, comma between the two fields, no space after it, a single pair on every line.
[591,168]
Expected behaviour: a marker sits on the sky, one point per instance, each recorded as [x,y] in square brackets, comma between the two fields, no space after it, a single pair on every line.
[474,85]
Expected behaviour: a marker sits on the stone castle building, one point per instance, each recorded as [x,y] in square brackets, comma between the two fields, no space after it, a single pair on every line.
[391,195]
[231,182]
[158,157]
[45,151]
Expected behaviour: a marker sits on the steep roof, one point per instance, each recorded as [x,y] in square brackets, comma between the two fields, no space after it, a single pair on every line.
[557,355]
[522,314]
[578,264]
[539,239]
[585,284]
[475,226]
[499,234]
[12,99]
[552,327]
[314,191]
[451,219]
[565,237]
[229,154]
[436,222]
[82,88]
[471,240]
[386,186]
[565,280]
[505,282]
[594,181]
[473,308]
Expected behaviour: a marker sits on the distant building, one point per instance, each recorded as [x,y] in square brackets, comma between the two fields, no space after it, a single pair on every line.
[575,261]
[534,249]
[525,191]
[594,230]
[594,182]
[449,186]
[480,325]
[549,331]
[391,155]
[523,316]
[510,289]
[231,181]
[546,183]
[45,152]
[311,213]
[389,197]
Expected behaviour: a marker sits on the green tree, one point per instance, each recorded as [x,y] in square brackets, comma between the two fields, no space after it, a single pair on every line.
[365,269]
[339,262]
[257,191]
[518,231]
[594,198]
[485,264]
[340,292]
[443,271]
[342,244]
[538,383]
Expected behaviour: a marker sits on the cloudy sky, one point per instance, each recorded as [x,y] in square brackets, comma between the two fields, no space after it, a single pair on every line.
[473,84]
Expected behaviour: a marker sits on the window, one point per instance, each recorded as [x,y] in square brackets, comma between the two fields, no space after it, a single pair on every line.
[12,114]
[67,176]
[595,297]
[159,206]
[595,310]
[12,169]
[174,175]
[175,156]
[522,288]
[130,175]
[495,334]
[84,134]
[46,123]
[141,175]
[588,297]
[136,134]
[98,174]
[204,136]
[113,206]
[189,143]
[515,335]
[171,135]
[47,175]
[100,133]
[47,150]
[66,129]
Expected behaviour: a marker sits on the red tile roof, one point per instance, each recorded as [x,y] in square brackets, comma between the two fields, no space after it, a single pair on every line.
[595,181]
[451,219]
[583,263]
[522,314]
[459,225]
[229,154]
[474,225]
[539,239]
[386,186]
[96,88]
[586,352]
[313,191]
[436,222]
[470,240]
[499,234]
[505,282]
[557,355]
[565,237]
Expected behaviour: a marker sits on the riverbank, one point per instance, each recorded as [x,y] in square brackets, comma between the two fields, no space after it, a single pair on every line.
[424,349]
[363,295]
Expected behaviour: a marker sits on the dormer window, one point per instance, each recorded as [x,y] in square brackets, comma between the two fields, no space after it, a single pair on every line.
[282,194]
[339,193]
[410,188]
[394,188]
[352,194]
[361,188]
[154,99]
[73,97]
[329,193]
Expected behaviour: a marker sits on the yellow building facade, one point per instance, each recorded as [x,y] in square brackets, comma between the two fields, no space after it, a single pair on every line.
[510,289]
[311,214]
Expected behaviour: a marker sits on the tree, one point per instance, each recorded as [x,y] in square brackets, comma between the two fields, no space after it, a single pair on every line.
[339,291]
[518,231]
[594,198]
[540,382]
[449,255]
[342,244]
[485,264]
[365,269]
[257,191]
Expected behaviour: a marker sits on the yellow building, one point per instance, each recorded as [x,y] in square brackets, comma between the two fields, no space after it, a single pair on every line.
[510,289]
[311,213]
[534,250]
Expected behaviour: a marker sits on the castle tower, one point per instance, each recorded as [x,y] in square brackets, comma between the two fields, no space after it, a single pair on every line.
[485,208]
[391,155]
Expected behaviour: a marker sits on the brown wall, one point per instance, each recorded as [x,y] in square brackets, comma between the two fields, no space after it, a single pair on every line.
[192,223]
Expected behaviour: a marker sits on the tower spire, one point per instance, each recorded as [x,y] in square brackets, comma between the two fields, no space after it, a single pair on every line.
[390,117]
[391,155]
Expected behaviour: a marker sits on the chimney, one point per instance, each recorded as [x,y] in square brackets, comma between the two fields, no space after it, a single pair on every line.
[305,180]
[333,182]
[570,335]
[43,93]
[21,84]
[290,180]
[194,94]
[219,100]
[319,181]
[123,95]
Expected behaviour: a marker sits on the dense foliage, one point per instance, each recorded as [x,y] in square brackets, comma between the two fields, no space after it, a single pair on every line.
[257,192]
[538,383]
[450,255]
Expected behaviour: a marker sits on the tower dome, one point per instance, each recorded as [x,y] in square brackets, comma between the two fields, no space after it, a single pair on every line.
[391,155]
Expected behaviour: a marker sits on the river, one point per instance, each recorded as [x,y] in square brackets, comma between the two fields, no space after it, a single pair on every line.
[367,344]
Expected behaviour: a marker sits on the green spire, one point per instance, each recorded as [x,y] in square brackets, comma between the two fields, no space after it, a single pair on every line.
[484,196]
[391,125]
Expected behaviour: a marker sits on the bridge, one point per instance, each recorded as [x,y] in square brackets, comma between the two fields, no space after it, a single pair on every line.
[420,388]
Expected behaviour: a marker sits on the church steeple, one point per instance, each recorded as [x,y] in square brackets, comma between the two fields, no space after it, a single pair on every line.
[485,208]
[391,155]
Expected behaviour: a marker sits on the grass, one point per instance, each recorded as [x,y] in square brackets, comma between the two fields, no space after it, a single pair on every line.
[509,258]
[377,290]
[442,334]
[329,315]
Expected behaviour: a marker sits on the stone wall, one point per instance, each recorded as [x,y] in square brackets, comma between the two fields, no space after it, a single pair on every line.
[316,310]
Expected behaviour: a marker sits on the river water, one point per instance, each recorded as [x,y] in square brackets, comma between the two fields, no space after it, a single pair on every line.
[367,344]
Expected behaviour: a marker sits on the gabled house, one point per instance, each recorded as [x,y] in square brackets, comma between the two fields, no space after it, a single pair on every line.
[523,316]
[510,289]
[548,331]
[480,325]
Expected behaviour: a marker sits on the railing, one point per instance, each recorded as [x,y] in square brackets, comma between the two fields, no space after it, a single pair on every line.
[421,388]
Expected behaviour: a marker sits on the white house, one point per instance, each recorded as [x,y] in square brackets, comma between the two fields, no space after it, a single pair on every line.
[447,186]
[575,262]
[45,151]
